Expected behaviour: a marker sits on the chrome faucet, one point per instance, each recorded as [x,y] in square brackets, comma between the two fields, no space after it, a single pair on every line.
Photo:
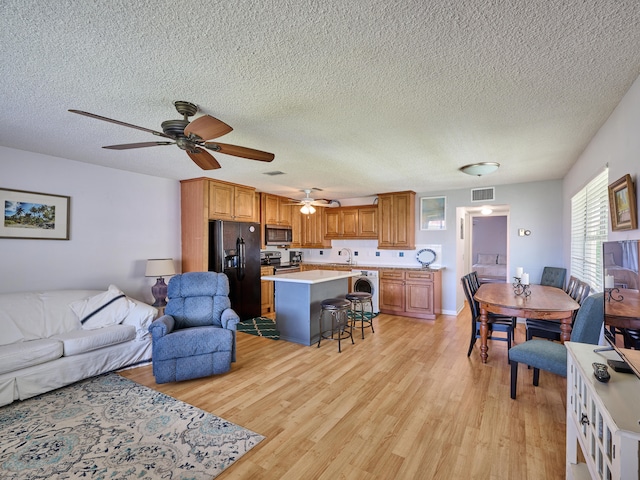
[348,252]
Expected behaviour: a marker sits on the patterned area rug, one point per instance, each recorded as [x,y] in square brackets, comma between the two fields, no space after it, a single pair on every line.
[109,427]
[260,326]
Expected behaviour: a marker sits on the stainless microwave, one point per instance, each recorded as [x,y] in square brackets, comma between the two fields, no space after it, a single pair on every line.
[278,235]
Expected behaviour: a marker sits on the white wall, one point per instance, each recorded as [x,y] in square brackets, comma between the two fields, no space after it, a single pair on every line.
[118,221]
[617,143]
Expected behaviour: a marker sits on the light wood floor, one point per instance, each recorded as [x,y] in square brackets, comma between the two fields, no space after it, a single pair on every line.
[404,403]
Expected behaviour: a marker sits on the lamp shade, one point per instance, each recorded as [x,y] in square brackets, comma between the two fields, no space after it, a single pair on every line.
[160,267]
[479,169]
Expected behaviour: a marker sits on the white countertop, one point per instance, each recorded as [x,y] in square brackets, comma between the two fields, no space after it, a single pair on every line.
[310,276]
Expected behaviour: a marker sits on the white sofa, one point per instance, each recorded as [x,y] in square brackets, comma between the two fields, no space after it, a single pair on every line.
[55,338]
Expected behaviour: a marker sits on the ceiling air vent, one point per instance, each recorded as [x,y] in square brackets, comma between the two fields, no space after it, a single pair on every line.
[483,194]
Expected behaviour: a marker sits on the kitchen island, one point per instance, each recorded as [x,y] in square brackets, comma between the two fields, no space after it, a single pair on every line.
[298,299]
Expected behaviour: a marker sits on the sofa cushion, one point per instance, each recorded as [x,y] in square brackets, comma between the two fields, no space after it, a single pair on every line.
[488,258]
[25,354]
[27,313]
[80,341]
[107,308]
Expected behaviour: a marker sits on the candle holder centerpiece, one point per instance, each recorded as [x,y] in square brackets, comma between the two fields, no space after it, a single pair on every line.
[609,294]
[521,284]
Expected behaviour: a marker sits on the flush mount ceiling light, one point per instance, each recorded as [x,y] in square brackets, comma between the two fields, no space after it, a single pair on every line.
[479,169]
[486,211]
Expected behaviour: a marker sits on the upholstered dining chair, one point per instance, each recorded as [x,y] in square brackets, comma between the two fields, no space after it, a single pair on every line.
[196,337]
[550,329]
[496,323]
[553,276]
[552,356]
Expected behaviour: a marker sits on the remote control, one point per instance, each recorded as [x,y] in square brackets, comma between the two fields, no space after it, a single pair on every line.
[600,370]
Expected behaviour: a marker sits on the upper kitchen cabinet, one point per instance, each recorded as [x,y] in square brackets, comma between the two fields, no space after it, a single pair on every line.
[360,222]
[312,230]
[201,200]
[223,200]
[397,220]
[275,210]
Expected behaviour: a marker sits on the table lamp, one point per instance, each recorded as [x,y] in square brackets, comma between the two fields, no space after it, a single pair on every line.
[160,267]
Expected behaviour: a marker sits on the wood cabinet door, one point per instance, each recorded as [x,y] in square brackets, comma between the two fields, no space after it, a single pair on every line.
[244,201]
[270,205]
[368,222]
[332,224]
[401,220]
[349,221]
[221,200]
[391,295]
[419,298]
[296,228]
[386,237]
[285,211]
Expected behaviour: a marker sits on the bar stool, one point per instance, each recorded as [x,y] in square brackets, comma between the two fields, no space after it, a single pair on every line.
[338,310]
[359,301]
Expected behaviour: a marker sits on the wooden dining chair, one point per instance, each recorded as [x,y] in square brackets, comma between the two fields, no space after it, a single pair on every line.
[552,356]
[496,323]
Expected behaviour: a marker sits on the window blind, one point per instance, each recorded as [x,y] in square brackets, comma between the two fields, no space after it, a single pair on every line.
[589,228]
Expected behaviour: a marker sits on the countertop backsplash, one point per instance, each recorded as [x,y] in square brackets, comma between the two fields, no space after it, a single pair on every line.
[367,254]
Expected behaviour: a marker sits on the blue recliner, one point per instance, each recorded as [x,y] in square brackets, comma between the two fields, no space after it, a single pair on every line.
[196,337]
[552,356]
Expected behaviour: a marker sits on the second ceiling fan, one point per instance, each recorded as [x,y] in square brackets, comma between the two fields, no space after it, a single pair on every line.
[190,137]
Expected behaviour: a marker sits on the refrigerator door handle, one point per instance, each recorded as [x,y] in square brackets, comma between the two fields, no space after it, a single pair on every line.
[240,251]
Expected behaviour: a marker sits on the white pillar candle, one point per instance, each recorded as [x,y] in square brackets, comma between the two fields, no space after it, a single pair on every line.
[609,281]
[519,271]
[524,279]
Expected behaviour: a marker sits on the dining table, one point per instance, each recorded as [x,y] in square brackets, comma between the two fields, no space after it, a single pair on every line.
[543,303]
[622,308]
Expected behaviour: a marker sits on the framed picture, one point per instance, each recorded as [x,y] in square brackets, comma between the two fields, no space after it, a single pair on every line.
[34,215]
[432,213]
[622,204]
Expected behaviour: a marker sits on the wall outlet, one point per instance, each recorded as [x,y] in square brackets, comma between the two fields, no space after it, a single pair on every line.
[321,252]
[377,254]
[401,254]
[355,254]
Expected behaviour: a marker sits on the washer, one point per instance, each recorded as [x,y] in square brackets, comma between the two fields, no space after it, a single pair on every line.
[368,281]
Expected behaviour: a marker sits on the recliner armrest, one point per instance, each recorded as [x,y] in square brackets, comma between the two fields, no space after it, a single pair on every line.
[162,326]
[229,319]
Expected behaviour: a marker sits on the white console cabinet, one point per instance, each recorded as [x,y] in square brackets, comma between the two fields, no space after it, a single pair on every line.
[603,429]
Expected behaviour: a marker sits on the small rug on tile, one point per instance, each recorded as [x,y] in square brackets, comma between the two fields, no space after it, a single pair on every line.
[109,427]
[260,326]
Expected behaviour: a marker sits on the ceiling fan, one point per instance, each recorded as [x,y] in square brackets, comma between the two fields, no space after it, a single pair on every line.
[190,137]
[308,203]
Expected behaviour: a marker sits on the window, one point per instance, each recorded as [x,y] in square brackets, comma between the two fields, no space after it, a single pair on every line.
[589,228]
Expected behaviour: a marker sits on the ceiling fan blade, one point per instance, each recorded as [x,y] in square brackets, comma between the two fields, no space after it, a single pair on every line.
[126,146]
[243,152]
[118,122]
[207,127]
[203,159]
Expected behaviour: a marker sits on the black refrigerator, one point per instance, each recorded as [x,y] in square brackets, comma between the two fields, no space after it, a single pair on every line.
[234,249]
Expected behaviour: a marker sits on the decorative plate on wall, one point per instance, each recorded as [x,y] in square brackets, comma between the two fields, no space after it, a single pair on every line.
[426,257]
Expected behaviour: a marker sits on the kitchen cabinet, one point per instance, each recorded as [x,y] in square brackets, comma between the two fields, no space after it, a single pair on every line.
[230,202]
[312,230]
[351,222]
[275,210]
[397,220]
[204,199]
[267,292]
[411,292]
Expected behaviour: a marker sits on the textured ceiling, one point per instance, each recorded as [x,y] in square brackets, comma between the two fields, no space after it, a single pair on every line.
[355,98]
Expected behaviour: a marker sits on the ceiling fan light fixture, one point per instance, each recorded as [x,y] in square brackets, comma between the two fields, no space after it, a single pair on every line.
[479,169]
[307,209]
